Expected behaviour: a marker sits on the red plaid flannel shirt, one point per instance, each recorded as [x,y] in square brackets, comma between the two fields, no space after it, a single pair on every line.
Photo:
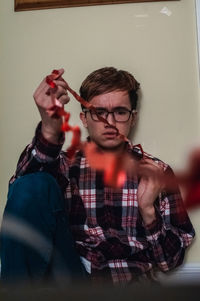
[106,223]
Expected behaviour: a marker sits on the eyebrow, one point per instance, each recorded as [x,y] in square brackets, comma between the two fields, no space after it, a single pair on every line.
[115,108]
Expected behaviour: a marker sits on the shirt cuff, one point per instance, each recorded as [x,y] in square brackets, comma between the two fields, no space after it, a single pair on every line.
[44,147]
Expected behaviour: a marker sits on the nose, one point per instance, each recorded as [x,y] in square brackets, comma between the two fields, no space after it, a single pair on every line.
[110,118]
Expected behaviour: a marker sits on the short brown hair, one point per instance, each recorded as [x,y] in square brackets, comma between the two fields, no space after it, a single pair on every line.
[108,79]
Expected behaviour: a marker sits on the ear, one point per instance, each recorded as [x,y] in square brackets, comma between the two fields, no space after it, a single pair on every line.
[83,119]
[134,118]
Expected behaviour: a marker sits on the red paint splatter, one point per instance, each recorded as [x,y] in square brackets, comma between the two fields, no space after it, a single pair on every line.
[50,82]
[191,181]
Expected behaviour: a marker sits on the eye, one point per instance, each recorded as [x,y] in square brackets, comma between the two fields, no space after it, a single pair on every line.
[121,112]
[101,112]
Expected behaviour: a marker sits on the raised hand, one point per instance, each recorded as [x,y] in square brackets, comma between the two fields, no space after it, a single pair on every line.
[45,97]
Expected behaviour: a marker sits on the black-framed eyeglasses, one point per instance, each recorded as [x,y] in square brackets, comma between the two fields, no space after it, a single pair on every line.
[119,114]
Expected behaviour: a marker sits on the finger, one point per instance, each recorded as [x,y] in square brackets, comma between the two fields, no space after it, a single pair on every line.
[53,81]
[60,91]
[42,97]
[57,76]
[151,163]
[150,170]
[64,99]
[41,88]
[150,166]
[57,73]
[60,88]
[61,83]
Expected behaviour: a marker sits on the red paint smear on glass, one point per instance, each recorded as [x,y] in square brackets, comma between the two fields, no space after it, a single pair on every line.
[191,181]
[50,82]
[114,166]
[192,199]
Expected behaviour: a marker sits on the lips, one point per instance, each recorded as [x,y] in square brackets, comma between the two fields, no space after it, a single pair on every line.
[110,134]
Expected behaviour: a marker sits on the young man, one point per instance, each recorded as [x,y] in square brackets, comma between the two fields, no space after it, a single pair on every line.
[120,234]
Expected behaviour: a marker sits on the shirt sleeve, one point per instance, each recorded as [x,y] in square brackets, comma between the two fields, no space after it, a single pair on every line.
[41,155]
[171,232]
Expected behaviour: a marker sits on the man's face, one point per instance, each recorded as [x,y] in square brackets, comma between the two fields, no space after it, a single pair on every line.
[102,134]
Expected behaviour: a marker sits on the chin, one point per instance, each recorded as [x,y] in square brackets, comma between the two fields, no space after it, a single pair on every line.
[111,145]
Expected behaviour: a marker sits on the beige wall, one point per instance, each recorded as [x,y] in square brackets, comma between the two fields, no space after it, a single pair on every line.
[160,49]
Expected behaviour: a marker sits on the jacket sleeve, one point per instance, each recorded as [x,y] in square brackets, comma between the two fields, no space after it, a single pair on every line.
[41,155]
[172,232]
